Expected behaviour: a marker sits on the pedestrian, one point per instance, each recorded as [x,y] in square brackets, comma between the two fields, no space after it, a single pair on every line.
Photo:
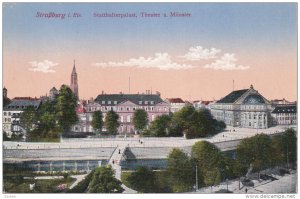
[113,162]
[141,142]
[246,190]
[223,135]
[119,151]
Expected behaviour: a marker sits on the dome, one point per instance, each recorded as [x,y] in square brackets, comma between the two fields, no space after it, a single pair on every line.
[254,99]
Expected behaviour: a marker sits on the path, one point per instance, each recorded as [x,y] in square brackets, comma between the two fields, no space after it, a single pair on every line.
[78,179]
[115,161]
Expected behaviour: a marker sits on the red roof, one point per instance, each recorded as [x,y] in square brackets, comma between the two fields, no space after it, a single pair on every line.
[175,100]
[80,110]
[206,102]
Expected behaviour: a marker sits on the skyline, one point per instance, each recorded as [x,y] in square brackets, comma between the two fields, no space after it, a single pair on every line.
[194,57]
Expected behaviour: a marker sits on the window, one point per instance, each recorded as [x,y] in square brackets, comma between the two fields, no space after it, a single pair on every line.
[115,102]
[9,113]
[8,120]
[146,102]
[128,118]
[127,108]
[103,102]
[121,109]
[109,102]
[152,102]
[4,113]
[153,117]
[122,120]
[140,102]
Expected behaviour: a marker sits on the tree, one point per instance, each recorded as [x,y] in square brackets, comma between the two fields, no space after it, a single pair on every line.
[255,150]
[195,123]
[143,180]
[180,170]
[103,181]
[160,126]
[210,161]
[284,147]
[111,122]
[29,118]
[212,177]
[65,108]
[97,121]
[140,119]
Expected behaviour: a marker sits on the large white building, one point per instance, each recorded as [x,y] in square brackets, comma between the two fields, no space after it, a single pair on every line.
[12,113]
[245,108]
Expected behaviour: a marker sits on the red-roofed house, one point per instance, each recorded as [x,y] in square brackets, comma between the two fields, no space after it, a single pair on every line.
[175,104]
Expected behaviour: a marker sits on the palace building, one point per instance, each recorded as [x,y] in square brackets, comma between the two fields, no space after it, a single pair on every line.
[124,105]
[245,108]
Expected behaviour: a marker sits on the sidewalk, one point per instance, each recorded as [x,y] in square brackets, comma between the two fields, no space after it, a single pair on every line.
[284,184]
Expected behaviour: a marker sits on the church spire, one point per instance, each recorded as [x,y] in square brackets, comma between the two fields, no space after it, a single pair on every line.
[74,83]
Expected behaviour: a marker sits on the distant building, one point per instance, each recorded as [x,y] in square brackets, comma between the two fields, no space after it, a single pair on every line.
[285,114]
[175,104]
[124,105]
[199,104]
[4,92]
[74,82]
[281,101]
[245,108]
[12,112]
[53,93]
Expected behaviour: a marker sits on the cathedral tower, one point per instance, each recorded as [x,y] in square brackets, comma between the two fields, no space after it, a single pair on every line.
[74,83]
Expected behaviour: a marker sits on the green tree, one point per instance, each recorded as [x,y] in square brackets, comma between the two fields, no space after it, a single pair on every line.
[212,177]
[66,108]
[111,122]
[97,121]
[29,119]
[140,119]
[103,181]
[180,170]
[143,180]
[284,147]
[195,123]
[160,126]
[209,159]
[255,150]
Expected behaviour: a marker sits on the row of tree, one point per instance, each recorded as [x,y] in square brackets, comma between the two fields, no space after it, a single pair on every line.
[188,121]
[208,166]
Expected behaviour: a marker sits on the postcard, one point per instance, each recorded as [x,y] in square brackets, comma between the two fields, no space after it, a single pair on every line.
[132,98]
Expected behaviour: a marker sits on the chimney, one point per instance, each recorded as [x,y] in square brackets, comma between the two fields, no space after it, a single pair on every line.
[102,92]
[158,93]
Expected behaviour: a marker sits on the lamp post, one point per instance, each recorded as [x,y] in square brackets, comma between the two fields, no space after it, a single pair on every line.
[196,179]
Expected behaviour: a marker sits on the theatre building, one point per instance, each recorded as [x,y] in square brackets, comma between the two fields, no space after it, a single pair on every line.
[245,108]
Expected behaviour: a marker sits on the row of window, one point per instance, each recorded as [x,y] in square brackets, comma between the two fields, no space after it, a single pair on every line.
[285,114]
[114,108]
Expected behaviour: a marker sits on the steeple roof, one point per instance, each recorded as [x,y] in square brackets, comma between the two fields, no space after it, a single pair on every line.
[74,69]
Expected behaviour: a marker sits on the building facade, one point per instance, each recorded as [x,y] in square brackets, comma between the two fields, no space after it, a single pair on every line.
[12,113]
[245,108]
[175,104]
[124,105]
[285,114]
